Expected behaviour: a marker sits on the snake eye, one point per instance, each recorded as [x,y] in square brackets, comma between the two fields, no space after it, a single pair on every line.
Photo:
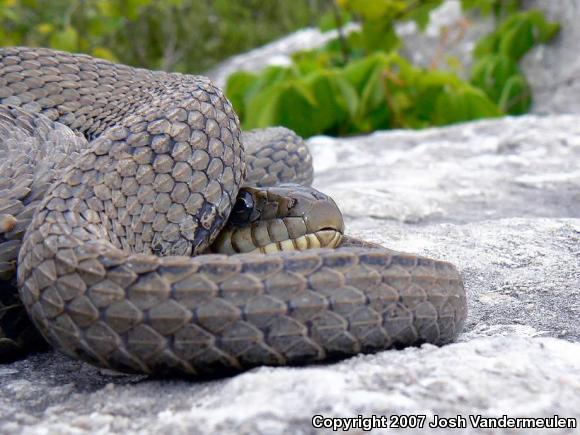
[243,208]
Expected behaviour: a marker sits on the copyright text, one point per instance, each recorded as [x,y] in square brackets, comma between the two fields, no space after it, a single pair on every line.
[419,421]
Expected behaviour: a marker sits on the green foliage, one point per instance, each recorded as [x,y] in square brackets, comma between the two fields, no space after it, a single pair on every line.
[333,19]
[358,83]
[82,25]
[179,35]
[195,35]
[517,34]
[496,70]
[355,83]
[368,94]
[499,8]
[378,18]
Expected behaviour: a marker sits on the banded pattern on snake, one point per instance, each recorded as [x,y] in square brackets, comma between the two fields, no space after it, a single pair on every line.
[130,175]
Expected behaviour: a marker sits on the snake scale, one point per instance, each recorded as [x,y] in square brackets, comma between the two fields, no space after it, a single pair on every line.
[115,181]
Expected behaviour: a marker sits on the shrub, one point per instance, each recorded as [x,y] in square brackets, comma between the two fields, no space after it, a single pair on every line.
[177,35]
[359,83]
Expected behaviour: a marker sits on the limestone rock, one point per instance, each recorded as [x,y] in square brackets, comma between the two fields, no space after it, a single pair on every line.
[497,198]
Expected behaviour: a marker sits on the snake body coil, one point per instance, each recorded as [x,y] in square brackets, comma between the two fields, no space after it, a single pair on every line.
[146,167]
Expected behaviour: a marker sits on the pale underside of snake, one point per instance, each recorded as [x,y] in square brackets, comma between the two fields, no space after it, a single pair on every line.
[115,182]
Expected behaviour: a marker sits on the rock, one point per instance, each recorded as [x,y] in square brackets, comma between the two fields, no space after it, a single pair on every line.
[497,198]
[449,35]
[500,199]
[554,70]
[532,377]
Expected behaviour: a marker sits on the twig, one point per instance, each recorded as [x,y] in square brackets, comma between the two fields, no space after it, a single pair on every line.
[387,76]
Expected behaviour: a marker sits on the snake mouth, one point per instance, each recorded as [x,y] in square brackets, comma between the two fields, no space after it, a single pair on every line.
[324,238]
[287,218]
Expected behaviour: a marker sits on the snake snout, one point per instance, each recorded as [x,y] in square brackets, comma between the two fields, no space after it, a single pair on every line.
[315,214]
[324,216]
[322,219]
[287,218]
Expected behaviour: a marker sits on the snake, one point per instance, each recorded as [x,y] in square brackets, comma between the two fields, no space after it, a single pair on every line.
[142,231]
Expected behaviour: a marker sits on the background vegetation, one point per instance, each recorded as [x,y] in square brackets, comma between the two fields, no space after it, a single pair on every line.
[176,35]
[358,82]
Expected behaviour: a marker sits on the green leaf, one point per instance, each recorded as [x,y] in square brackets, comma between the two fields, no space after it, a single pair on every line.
[487,45]
[515,98]
[359,72]
[544,30]
[422,13]
[379,35]
[272,75]
[313,60]
[464,104]
[66,39]
[484,7]
[480,106]
[329,21]
[517,40]
[45,28]
[103,53]
[289,104]
[335,100]
[131,8]
[365,78]
[237,87]
[373,9]
[345,95]
[101,25]
[9,11]
[491,72]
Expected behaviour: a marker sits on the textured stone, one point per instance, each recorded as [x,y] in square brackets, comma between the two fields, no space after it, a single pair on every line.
[533,377]
[497,198]
[554,70]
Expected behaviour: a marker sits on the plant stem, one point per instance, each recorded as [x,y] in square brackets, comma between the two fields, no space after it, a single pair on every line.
[341,38]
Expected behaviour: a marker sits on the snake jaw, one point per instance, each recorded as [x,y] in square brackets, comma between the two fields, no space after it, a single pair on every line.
[327,238]
[292,218]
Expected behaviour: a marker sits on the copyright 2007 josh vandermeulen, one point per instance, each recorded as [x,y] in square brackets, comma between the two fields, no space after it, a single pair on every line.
[419,421]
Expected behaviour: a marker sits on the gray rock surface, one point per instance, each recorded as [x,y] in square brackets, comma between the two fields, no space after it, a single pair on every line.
[497,198]
[449,34]
[554,70]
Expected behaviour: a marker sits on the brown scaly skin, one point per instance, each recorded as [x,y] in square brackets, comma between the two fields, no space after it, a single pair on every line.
[33,151]
[160,175]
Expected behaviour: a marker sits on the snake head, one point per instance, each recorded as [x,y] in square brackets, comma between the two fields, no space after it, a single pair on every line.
[287,217]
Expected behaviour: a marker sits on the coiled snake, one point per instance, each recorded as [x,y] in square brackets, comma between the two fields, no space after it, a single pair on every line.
[115,181]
